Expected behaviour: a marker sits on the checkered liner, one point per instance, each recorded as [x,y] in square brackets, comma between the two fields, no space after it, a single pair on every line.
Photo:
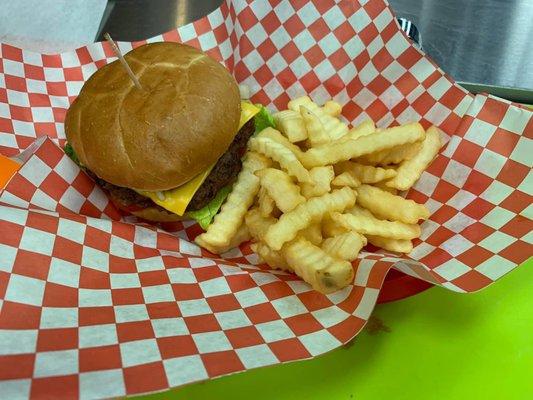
[96,306]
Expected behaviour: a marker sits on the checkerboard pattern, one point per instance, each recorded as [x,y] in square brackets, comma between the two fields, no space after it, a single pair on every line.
[96,305]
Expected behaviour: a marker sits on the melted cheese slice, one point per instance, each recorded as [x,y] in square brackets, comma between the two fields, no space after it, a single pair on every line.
[176,200]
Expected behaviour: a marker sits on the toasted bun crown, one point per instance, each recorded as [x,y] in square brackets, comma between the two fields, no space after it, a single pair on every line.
[160,137]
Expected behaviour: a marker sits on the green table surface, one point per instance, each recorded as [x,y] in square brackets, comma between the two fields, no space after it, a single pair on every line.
[435,345]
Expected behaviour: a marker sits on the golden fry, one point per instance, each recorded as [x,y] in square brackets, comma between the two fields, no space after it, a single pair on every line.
[316,131]
[388,206]
[410,170]
[306,101]
[343,150]
[347,178]
[291,124]
[345,246]
[280,188]
[366,173]
[332,108]
[277,137]
[393,156]
[266,203]
[231,215]
[396,245]
[273,258]
[257,224]
[242,235]
[362,221]
[281,154]
[313,233]
[401,153]
[383,186]
[321,178]
[331,228]
[306,214]
[333,127]
[363,129]
[323,272]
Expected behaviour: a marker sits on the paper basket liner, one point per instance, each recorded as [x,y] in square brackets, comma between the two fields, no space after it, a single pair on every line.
[97,306]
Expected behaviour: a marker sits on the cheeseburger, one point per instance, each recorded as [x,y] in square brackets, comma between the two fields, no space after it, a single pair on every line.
[172,148]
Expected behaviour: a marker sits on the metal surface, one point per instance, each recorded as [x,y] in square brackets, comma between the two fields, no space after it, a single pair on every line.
[488,42]
[131,20]
[485,42]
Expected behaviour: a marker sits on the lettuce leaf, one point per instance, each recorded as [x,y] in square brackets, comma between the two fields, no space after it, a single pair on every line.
[69,151]
[263,119]
[204,216]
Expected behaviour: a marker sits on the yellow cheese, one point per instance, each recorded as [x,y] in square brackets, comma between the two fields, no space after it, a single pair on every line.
[176,200]
[248,111]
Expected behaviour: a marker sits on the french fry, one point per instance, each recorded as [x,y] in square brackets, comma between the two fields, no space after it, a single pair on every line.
[320,231]
[291,124]
[363,129]
[242,235]
[343,150]
[306,101]
[323,272]
[306,214]
[332,108]
[362,221]
[396,245]
[266,203]
[280,188]
[334,127]
[316,131]
[281,154]
[345,246]
[388,206]
[273,258]
[313,233]
[401,153]
[331,228]
[231,215]
[257,224]
[366,173]
[393,156]
[383,186]
[410,170]
[277,137]
[347,178]
[321,178]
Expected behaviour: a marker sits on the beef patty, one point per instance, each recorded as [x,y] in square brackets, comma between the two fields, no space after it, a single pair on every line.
[223,173]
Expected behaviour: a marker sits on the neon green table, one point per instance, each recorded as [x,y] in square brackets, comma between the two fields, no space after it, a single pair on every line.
[435,345]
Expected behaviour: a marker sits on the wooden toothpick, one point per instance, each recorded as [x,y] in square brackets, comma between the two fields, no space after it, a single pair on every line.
[124,63]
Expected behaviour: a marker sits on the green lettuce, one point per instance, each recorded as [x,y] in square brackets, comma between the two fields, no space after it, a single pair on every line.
[263,119]
[204,216]
[69,151]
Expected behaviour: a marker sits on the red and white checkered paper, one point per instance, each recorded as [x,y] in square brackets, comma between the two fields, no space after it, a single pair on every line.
[96,306]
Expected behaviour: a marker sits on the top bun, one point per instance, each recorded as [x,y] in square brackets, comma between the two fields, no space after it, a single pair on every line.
[160,137]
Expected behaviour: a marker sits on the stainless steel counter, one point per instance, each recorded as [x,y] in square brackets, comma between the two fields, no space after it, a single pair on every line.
[485,42]
[488,42]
